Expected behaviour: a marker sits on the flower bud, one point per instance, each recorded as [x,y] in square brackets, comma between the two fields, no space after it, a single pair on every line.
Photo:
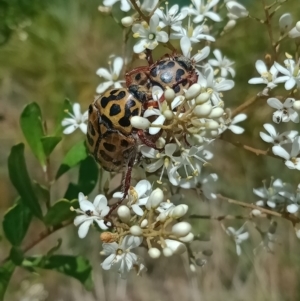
[136,230]
[285,22]
[216,113]
[144,223]
[124,213]
[193,91]
[179,211]
[127,21]
[154,253]
[214,133]
[160,143]
[296,105]
[202,110]
[167,252]
[169,94]
[298,26]
[155,198]
[105,10]
[140,122]
[202,98]
[230,24]
[176,246]
[212,125]
[181,229]
[256,212]
[187,238]
[192,268]
[162,217]
[168,114]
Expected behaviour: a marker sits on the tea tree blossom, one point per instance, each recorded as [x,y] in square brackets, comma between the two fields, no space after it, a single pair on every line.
[112,75]
[170,17]
[285,111]
[124,5]
[291,73]
[150,35]
[268,77]
[223,63]
[236,10]
[292,158]
[202,10]
[90,212]
[238,236]
[120,257]
[275,137]
[293,200]
[76,121]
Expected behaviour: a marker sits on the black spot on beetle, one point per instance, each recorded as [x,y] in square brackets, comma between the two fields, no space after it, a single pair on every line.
[105,156]
[124,121]
[166,77]
[124,143]
[170,64]
[138,77]
[176,88]
[179,73]
[113,91]
[154,71]
[89,140]
[121,95]
[90,109]
[104,101]
[114,110]
[106,121]
[135,112]
[91,129]
[109,147]
[130,103]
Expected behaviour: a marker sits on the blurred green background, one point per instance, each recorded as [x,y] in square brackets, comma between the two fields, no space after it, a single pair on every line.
[50,50]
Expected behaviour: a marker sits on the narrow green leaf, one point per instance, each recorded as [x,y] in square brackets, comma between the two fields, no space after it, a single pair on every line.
[32,127]
[76,267]
[19,177]
[41,191]
[60,212]
[6,270]
[49,143]
[74,156]
[87,179]
[16,222]
[55,248]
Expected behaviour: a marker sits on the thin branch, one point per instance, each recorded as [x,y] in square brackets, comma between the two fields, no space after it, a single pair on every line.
[247,104]
[142,15]
[223,217]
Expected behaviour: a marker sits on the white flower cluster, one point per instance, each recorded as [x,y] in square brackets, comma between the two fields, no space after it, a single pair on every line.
[147,220]
[278,196]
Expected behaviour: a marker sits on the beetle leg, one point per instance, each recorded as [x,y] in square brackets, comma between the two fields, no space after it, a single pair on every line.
[142,135]
[149,57]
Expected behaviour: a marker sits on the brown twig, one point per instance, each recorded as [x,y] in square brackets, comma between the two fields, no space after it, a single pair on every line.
[142,15]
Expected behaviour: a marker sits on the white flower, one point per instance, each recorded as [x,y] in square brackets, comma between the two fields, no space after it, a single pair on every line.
[163,112]
[111,75]
[285,111]
[90,212]
[186,48]
[238,236]
[285,22]
[270,196]
[292,159]
[170,17]
[150,35]
[125,4]
[165,159]
[236,10]
[291,74]
[275,137]
[137,196]
[120,258]
[235,128]
[76,121]
[195,35]
[294,200]
[203,10]
[294,33]
[148,5]
[207,81]
[268,77]
[223,63]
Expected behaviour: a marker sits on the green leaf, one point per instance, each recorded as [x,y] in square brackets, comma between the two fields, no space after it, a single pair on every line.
[60,212]
[74,156]
[49,143]
[32,127]
[19,177]
[16,222]
[6,270]
[87,179]
[55,248]
[76,267]
[16,255]
[67,106]
[41,191]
